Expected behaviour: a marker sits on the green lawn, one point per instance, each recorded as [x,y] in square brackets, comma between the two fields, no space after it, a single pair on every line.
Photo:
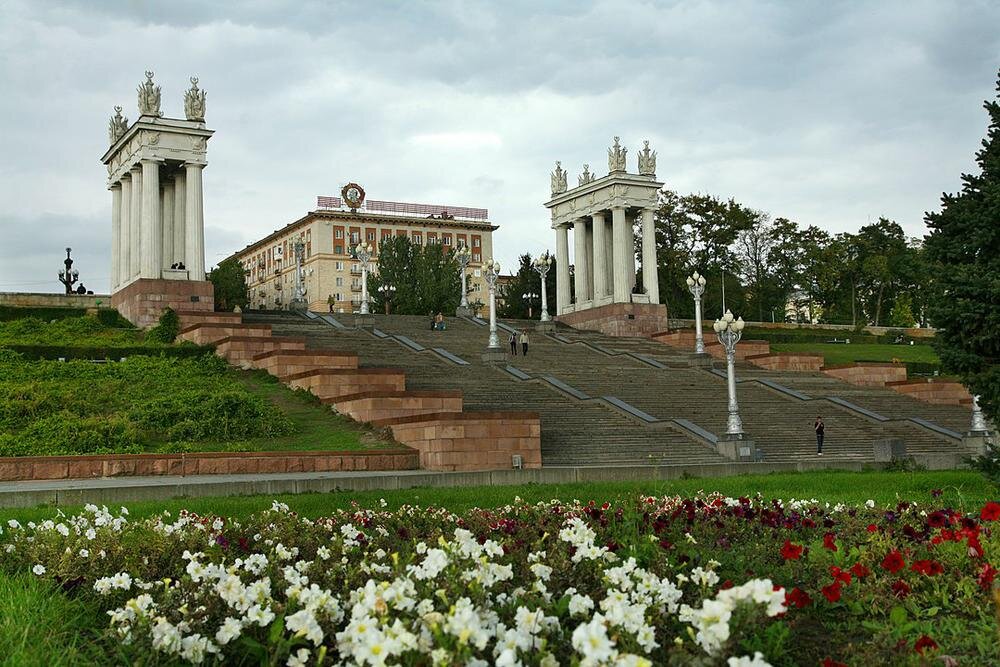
[845,354]
[959,488]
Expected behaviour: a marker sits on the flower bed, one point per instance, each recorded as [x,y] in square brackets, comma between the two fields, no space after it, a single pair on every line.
[708,580]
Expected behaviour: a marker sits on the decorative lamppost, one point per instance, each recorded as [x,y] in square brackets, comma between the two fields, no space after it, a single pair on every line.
[528,296]
[493,350]
[464,256]
[542,264]
[69,275]
[387,291]
[729,331]
[979,426]
[299,291]
[364,254]
[696,285]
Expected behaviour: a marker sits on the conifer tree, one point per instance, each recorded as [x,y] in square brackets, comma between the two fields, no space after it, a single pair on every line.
[964,245]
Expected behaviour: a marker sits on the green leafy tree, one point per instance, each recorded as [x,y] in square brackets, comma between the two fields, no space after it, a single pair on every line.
[229,283]
[527,281]
[426,278]
[964,245]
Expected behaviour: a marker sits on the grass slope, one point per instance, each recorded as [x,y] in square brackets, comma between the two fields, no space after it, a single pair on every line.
[959,488]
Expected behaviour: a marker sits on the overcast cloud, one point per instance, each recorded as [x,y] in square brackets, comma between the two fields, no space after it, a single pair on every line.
[829,113]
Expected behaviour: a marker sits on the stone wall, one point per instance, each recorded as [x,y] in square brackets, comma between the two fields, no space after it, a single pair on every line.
[867,374]
[240,350]
[472,440]
[40,300]
[329,384]
[620,319]
[209,333]
[684,339]
[375,406]
[142,301]
[940,392]
[912,332]
[207,463]
[787,361]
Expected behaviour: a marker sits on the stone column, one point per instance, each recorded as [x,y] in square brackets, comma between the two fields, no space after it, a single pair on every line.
[124,240]
[589,244]
[630,243]
[168,224]
[562,269]
[622,255]
[194,224]
[135,218]
[609,256]
[580,267]
[180,204]
[600,268]
[152,234]
[116,230]
[649,275]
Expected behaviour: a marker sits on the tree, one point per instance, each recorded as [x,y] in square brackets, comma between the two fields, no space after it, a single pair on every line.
[964,246]
[426,278]
[526,281]
[229,283]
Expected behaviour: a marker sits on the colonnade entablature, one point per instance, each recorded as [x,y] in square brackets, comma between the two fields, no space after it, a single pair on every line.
[602,213]
[154,170]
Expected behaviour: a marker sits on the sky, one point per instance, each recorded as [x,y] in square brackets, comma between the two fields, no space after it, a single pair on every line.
[830,113]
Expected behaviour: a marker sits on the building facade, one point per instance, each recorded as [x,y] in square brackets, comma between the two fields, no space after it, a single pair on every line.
[332,231]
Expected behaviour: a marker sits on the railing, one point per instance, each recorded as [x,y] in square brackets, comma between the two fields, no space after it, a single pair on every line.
[423,210]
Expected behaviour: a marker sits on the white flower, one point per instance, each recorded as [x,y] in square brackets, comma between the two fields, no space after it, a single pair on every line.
[304,624]
[592,641]
[258,615]
[580,605]
[228,631]
[746,661]
[39,570]
[299,659]
[84,553]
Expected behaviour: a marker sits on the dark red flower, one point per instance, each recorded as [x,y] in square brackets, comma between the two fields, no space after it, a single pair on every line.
[937,520]
[791,551]
[924,643]
[830,662]
[727,584]
[894,561]
[860,571]
[829,541]
[900,588]
[927,567]
[991,511]
[840,575]
[987,573]
[936,493]
[975,547]
[872,528]
[832,592]
[797,597]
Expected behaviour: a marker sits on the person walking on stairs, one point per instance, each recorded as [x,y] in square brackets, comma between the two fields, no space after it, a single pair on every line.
[513,343]
[820,429]
[524,342]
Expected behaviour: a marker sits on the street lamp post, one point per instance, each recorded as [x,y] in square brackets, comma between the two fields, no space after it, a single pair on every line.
[729,331]
[299,292]
[69,275]
[387,291]
[464,256]
[696,285]
[979,426]
[494,353]
[528,296]
[542,264]
[364,254]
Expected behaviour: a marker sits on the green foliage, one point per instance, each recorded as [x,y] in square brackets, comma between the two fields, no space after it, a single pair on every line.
[964,247]
[110,317]
[989,463]
[70,331]
[527,281]
[426,278]
[8,313]
[166,329]
[184,350]
[230,285]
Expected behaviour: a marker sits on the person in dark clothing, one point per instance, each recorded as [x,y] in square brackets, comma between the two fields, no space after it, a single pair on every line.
[820,429]
[524,342]
[513,344]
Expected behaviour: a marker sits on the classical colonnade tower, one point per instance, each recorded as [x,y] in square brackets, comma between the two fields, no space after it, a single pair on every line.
[602,214]
[157,223]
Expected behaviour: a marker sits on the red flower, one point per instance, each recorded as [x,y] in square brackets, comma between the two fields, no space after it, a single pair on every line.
[860,571]
[975,547]
[797,597]
[937,520]
[894,561]
[791,551]
[829,543]
[923,644]
[927,567]
[830,662]
[840,575]
[872,528]
[900,588]
[986,576]
[832,592]
[991,511]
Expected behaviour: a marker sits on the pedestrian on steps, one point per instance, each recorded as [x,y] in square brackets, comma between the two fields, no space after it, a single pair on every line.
[513,343]
[524,342]
[330,301]
[820,429]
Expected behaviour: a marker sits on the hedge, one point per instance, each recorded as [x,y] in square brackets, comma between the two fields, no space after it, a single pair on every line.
[106,316]
[812,336]
[36,352]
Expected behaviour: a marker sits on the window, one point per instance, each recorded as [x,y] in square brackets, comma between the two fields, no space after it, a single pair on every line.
[476,257]
[355,238]
[338,233]
[475,241]
[339,249]
[339,266]
[340,281]
[417,239]
[355,267]
[477,273]
[371,236]
[446,240]
[338,297]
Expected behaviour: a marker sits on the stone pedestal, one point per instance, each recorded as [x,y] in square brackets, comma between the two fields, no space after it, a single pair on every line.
[298,305]
[545,327]
[737,447]
[703,360]
[976,441]
[142,301]
[495,355]
[366,322]
[463,311]
[887,450]
[620,319]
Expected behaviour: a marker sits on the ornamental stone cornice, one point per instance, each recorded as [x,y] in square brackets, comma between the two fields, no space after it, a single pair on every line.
[616,190]
[164,139]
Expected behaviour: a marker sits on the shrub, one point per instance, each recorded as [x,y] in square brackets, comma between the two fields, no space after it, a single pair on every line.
[110,317]
[167,329]
[66,433]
